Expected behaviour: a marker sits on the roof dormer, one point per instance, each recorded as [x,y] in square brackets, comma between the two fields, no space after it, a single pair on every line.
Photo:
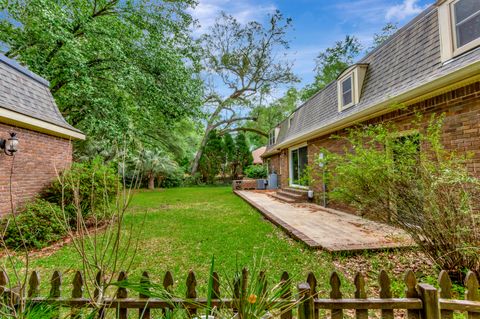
[459,26]
[349,85]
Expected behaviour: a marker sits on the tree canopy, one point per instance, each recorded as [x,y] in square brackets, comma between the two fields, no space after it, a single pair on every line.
[119,70]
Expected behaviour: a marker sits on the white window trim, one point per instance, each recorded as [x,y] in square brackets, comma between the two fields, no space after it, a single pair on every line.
[448,41]
[341,106]
[290,168]
[273,133]
[358,73]
[290,120]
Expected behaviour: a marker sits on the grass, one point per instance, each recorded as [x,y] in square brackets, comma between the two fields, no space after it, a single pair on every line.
[184,227]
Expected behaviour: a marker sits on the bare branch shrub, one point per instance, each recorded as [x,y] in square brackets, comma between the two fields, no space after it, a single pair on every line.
[412,181]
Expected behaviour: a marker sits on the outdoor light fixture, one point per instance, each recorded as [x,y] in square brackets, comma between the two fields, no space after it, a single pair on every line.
[10,146]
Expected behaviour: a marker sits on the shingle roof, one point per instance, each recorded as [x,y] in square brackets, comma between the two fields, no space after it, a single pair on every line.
[26,93]
[408,59]
[257,155]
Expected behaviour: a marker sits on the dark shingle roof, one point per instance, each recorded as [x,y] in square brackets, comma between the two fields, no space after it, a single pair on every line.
[408,59]
[26,93]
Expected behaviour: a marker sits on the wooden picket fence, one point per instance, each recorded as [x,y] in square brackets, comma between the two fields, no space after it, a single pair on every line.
[421,300]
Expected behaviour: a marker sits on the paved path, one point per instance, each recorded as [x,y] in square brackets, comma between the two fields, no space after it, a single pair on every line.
[326,229]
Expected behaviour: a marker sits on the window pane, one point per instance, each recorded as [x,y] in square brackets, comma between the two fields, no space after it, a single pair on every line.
[347,98]
[294,166]
[468,31]
[347,84]
[302,161]
[465,8]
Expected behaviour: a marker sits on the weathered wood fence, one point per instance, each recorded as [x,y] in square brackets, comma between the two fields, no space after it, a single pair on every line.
[420,301]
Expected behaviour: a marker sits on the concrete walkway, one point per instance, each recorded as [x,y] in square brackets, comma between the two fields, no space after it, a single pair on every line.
[326,229]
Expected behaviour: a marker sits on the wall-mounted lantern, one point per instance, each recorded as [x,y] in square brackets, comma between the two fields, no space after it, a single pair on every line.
[10,146]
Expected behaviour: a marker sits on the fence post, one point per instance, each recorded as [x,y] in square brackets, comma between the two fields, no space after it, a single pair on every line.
[429,296]
[306,305]
[471,293]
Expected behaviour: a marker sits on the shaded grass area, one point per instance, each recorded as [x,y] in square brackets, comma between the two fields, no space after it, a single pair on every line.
[184,227]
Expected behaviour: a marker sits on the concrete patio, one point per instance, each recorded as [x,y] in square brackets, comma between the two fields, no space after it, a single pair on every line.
[324,228]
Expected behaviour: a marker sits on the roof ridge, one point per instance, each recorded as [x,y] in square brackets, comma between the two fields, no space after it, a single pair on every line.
[410,24]
[17,66]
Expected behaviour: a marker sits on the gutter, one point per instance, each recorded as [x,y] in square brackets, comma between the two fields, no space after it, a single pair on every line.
[459,78]
[24,121]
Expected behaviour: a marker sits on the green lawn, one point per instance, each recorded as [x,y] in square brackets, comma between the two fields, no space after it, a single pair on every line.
[184,227]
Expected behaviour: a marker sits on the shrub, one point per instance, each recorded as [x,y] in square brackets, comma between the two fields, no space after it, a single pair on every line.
[173,179]
[36,226]
[93,185]
[256,171]
[193,180]
[413,182]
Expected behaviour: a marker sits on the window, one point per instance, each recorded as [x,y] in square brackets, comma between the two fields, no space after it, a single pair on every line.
[459,22]
[272,137]
[349,86]
[466,17]
[290,120]
[298,164]
[347,97]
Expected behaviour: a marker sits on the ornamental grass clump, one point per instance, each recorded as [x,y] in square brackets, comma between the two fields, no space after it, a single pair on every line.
[412,181]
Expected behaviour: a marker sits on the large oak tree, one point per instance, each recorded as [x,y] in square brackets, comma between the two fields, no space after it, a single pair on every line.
[241,62]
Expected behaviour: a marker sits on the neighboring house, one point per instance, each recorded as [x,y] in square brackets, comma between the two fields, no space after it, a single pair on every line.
[44,137]
[431,65]
[257,155]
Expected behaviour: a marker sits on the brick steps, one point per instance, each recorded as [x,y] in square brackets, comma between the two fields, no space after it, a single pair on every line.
[285,199]
[291,195]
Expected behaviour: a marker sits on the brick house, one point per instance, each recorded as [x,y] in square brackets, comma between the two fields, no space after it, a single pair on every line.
[44,137]
[431,65]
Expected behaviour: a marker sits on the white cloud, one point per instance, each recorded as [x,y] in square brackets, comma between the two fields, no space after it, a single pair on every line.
[244,11]
[404,10]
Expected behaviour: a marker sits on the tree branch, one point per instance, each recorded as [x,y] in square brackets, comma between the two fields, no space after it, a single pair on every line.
[243,129]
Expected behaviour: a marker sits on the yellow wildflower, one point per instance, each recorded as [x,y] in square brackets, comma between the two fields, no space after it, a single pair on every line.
[252,298]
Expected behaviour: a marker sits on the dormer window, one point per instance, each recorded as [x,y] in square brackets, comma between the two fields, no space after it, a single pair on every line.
[459,23]
[272,136]
[347,92]
[349,86]
[290,120]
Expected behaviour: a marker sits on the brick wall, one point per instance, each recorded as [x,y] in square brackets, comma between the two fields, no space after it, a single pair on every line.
[35,164]
[460,132]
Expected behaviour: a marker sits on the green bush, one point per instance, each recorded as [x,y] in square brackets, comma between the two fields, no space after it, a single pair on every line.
[92,184]
[256,171]
[174,179]
[36,226]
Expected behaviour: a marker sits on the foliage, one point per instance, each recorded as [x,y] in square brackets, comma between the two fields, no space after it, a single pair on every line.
[155,164]
[212,158]
[244,61]
[256,171]
[415,183]
[35,226]
[243,156]
[86,186]
[387,31]
[173,179]
[119,70]
[269,116]
[331,62]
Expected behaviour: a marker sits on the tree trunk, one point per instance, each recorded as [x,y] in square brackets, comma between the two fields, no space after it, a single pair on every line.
[199,154]
[151,182]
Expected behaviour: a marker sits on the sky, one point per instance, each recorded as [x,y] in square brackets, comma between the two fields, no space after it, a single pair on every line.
[317,24]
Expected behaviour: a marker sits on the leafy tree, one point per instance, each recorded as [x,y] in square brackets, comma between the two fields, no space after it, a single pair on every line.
[243,155]
[244,60]
[387,31]
[269,116]
[229,153]
[119,70]
[213,157]
[331,62]
[155,164]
